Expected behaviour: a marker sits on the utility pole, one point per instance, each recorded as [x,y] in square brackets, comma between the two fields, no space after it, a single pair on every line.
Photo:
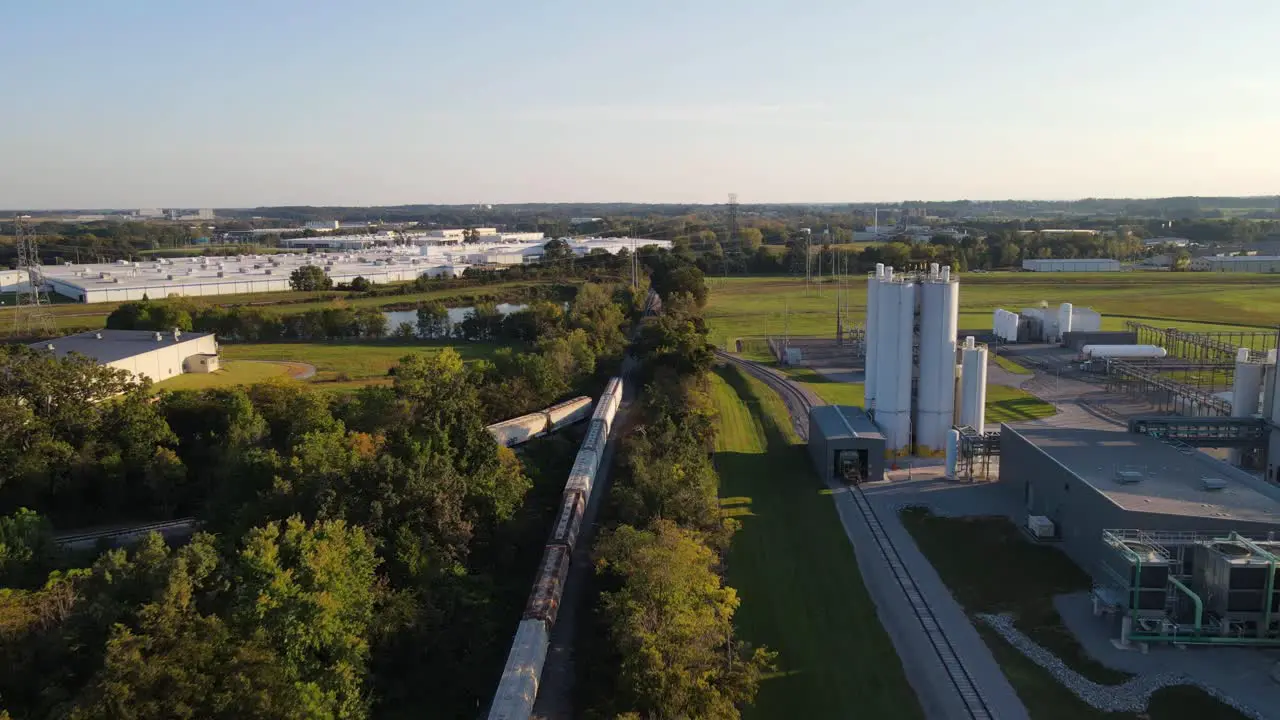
[733,230]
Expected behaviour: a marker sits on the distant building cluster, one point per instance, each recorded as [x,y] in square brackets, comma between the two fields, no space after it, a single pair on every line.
[342,257]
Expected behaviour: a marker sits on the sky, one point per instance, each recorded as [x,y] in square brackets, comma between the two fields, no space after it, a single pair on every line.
[151,103]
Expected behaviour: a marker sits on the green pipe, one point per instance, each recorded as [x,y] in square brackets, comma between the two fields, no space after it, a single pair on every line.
[1199,605]
[1206,640]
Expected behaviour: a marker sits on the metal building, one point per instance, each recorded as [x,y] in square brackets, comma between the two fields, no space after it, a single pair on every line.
[154,355]
[1078,483]
[845,443]
[1074,265]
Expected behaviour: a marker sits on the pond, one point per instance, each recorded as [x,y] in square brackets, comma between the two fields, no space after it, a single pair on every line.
[456,315]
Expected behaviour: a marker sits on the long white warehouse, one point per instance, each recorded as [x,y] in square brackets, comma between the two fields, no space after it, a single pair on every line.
[211,275]
[1075,265]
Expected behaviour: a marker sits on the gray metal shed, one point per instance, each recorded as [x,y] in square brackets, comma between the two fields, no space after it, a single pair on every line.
[843,437]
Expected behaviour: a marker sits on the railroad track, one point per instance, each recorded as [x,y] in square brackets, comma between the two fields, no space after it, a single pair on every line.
[959,676]
[89,538]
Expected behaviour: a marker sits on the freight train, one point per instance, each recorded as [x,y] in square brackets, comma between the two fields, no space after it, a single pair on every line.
[520,430]
[518,687]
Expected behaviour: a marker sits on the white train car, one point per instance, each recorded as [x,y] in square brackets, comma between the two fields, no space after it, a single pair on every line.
[569,412]
[583,475]
[518,687]
[597,435]
[519,430]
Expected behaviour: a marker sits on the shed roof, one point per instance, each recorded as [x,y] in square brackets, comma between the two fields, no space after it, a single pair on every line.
[113,345]
[1171,482]
[843,422]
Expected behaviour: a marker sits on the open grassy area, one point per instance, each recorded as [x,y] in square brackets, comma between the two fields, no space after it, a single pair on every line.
[1010,366]
[757,306]
[349,365]
[989,567]
[235,372]
[1006,404]
[796,573]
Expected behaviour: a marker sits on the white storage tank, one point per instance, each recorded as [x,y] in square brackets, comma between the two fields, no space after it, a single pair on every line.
[939,318]
[1123,351]
[897,298]
[872,340]
[1246,391]
[973,381]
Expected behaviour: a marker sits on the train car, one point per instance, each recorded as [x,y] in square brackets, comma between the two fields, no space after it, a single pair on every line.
[597,435]
[518,687]
[583,475]
[519,430]
[569,412]
[544,601]
[569,521]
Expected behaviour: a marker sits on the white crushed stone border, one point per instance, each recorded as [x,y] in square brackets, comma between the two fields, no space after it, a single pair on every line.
[1133,696]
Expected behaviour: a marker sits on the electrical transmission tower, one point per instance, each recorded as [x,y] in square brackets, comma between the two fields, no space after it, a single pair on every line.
[31,314]
[733,229]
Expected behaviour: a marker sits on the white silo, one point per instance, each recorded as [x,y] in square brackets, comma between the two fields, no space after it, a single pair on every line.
[895,310]
[1247,388]
[1065,311]
[953,451]
[939,316]
[973,402]
[872,340]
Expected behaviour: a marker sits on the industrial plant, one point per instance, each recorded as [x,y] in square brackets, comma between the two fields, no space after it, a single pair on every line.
[202,276]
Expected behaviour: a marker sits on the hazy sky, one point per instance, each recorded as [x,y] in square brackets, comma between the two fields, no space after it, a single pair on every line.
[144,103]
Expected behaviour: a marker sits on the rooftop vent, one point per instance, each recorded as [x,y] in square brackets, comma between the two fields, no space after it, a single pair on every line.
[1128,477]
[1212,484]
[159,337]
[49,346]
[97,336]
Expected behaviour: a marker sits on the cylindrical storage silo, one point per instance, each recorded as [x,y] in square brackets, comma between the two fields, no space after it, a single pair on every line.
[1247,389]
[871,340]
[1065,311]
[953,451]
[973,404]
[939,317]
[896,309]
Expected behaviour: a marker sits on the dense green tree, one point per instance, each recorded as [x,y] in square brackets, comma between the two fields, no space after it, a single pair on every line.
[310,277]
[672,622]
[595,312]
[433,320]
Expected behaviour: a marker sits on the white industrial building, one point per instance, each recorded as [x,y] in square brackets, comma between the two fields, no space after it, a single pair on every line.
[13,280]
[915,401]
[1073,265]
[154,355]
[208,275]
[1237,263]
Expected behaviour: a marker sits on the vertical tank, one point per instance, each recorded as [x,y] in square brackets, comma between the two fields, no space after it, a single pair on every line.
[896,311]
[974,390]
[1247,387]
[1064,319]
[872,340]
[939,315]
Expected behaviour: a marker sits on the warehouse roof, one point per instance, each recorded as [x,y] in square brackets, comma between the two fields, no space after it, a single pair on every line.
[1157,477]
[108,346]
[837,422]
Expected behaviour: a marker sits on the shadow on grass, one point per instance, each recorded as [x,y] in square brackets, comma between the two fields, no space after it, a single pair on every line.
[795,571]
[1014,409]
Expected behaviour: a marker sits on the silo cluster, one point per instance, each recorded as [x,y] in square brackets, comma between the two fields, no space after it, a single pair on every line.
[911,360]
[1004,325]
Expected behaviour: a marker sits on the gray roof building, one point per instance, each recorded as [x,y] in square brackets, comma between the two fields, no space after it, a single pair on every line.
[843,437]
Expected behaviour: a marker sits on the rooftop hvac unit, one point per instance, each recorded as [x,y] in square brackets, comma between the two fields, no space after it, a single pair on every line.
[221,274]
[1210,483]
[1128,477]
[1040,526]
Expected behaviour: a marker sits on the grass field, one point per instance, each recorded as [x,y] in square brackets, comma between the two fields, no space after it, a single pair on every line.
[235,372]
[349,365]
[989,567]
[1006,404]
[1010,366]
[756,306]
[796,573]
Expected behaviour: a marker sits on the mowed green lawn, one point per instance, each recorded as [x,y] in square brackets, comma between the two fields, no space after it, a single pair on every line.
[796,573]
[351,363]
[759,306]
[233,372]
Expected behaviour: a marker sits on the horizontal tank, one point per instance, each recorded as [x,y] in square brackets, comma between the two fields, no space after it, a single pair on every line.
[1123,351]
